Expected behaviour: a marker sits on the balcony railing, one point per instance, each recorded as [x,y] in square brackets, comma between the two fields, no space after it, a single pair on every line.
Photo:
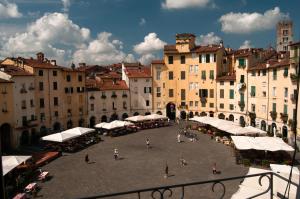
[103,96]
[294,77]
[293,97]
[31,88]
[4,92]
[4,110]
[183,106]
[241,104]
[273,115]
[113,96]
[203,100]
[23,90]
[179,190]
[124,95]
[284,117]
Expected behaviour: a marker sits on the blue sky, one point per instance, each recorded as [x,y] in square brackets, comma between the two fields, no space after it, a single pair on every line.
[107,31]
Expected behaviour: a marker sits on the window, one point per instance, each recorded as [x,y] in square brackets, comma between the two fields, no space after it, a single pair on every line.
[41,86]
[196,85]
[285,39]
[158,105]
[286,72]
[203,104]
[285,32]
[274,92]
[274,74]
[196,69]
[41,72]
[23,104]
[147,103]
[264,94]
[221,106]
[253,73]
[182,59]
[158,94]
[92,107]
[211,105]
[170,59]
[285,92]
[42,116]
[215,57]
[124,105]
[221,83]
[242,62]
[253,108]
[191,84]
[191,103]
[203,93]
[69,98]
[242,79]
[211,74]
[80,78]
[274,107]
[158,75]
[285,109]
[231,107]
[68,78]
[242,97]
[191,68]
[252,92]
[135,80]
[264,72]
[164,85]
[258,73]
[200,58]
[196,103]
[171,93]
[231,94]
[182,75]
[31,103]
[147,80]
[264,108]
[55,101]
[54,73]
[56,113]
[231,83]
[170,75]
[207,58]
[182,94]
[211,93]
[221,93]
[42,103]
[147,89]
[203,75]
[54,85]
[66,90]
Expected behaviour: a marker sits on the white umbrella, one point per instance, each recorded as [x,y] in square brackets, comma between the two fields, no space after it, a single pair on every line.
[100,125]
[59,137]
[10,162]
[136,118]
[155,117]
[79,131]
[114,124]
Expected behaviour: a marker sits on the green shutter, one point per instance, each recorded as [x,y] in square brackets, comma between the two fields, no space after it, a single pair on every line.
[231,94]
[285,109]
[274,107]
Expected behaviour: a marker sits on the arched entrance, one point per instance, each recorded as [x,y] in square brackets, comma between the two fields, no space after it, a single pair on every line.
[135,114]
[34,137]
[114,117]
[273,128]
[104,118]
[221,116]
[124,116]
[252,119]
[231,118]
[182,115]
[81,122]
[203,114]
[159,113]
[171,111]
[43,131]
[92,121]
[242,121]
[211,114]
[263,125]
[147,113]
[56,126]
[284,132]
[69,124]
[5,131]
[197,113]
[191,114]
[24,139]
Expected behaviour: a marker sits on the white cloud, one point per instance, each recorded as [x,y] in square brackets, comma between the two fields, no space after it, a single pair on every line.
[142,21]
[209,38]
[150,44]
[66,5]
[246,44]
[251,22]
[9,10]
[147,58]
[130,58]
[102,51]
[180,4]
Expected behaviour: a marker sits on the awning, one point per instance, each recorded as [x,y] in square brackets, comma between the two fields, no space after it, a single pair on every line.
[113,124]
[260,143]
[136,118]
[11,162]
[79,131]
[67,134]
[154,117]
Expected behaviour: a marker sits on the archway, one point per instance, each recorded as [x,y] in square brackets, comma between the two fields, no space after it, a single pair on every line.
[252,119]
[34,137]
[69,124]
[135,114]
[197,113]
[191,114]
[92,121]
[171,111]
[43,131]
[203,114]
[231,118]
[124,116]
[273,128]
[159,113]
[104,118]
[242,121]
[24,139]
[5,131]
[114,117]
[263,125]
[182,115]
[284,132]
[81,122]
[211,114]
[147,113]
[221,116]
[56,126]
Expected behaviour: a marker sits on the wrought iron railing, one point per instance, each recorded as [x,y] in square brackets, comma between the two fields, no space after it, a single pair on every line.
[169,191]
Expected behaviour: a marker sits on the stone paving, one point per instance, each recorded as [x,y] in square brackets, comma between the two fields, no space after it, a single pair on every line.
[140,167]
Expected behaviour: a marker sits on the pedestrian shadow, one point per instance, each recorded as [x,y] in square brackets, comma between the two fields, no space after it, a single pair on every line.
[92,162]
[171,175]
[121,158]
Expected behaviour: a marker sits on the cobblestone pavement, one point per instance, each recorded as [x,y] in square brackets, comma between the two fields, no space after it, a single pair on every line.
[140,167]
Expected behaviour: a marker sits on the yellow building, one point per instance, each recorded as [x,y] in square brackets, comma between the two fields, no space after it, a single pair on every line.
[184,82]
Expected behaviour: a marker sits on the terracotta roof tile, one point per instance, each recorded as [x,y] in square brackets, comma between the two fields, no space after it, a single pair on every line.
[295,43]
[158,62]
[230,77]
[258,66]
[40,64]
[204,49]
[282,63]
[142,72]
[110,75]
[14,70]
[185,35]
[110,85]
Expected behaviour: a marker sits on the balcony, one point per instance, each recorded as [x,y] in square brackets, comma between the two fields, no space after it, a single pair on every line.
[103,96]
[242,66]
[294,77]
[241,86]
[203,100]
[4,92]
[241,104]
[23,90]
[183,107]
[92,98]
[273,115]
[252,115]
[23,107]
[284,117]
[293,97]
[4,110]
[31,88]
[125,107]
[104,109]
[124,96]
[252,94]
[113,96]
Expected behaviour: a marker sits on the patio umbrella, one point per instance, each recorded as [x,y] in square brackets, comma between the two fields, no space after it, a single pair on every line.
[136,118]
[59,137]
[155,117]
[10,162]
[79,131]
[100,125]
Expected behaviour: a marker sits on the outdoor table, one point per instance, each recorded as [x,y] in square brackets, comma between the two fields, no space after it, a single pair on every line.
[20,196]
[30,187]
[43,175]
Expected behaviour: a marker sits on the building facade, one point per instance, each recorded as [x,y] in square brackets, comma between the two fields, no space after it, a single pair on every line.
[284,35]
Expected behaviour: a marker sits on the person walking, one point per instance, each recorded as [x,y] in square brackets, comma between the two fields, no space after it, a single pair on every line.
[178,138]
[214,169]
[116,154]
[166,171]
[183,161]
[148,143]
[87,158]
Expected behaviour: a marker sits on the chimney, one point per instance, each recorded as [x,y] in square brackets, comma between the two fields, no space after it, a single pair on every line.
[53,62]
[40,56]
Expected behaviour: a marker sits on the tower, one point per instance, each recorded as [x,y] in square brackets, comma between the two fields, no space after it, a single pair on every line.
[284,35]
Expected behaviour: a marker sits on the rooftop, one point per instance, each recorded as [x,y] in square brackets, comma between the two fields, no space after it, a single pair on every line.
[141,72]
[14,70]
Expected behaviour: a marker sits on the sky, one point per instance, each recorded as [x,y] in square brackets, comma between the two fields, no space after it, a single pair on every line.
[111,31]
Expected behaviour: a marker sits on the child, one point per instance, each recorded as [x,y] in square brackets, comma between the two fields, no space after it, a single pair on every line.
[214,169]
[87,158]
